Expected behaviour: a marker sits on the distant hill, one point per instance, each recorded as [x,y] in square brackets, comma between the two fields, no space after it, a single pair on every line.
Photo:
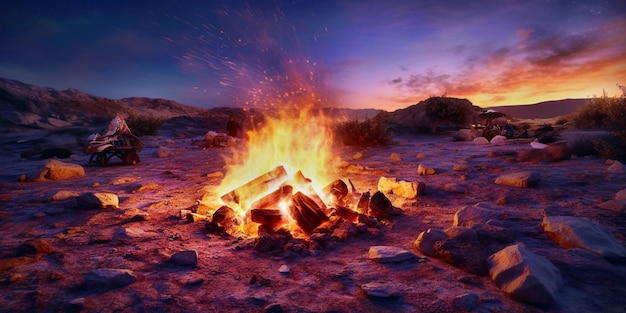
[547,109]
[25,106]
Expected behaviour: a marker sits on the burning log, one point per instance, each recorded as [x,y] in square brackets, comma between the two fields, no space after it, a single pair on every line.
[258,186]
[379,206]
[364,203]
[346,213]
[272,200]
[304,184]
[338,190]
[307,214]
[222,219]
[268,216]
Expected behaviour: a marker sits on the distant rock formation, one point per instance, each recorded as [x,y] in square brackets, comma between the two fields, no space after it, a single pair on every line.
[416,118]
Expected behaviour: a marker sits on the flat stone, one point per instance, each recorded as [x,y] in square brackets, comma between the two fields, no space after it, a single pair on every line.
[97,200]
[519,180]
[388,254]
[110,277]
[380,290]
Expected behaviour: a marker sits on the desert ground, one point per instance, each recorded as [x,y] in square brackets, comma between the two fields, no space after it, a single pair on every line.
[232,275]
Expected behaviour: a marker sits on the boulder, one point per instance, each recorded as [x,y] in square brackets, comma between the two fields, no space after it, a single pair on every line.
[519,180]
[387,254]
[498,140]
[481,141]
[621,195]
[524,276]
[576,232]
[57,170]
[97,200]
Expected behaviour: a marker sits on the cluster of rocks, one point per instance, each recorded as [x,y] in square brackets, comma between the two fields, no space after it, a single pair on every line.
[479,243]
[372,212]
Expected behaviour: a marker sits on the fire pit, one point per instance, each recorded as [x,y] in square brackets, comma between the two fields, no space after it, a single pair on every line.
[265,190]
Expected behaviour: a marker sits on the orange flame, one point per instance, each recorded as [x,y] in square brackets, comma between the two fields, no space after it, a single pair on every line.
[286,150]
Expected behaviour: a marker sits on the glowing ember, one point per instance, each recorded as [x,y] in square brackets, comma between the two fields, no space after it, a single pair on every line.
[266,177]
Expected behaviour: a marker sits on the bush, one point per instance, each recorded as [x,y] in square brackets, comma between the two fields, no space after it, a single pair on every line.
[444,109]
[607,113]
[143,124]
[367,133]
[562,121]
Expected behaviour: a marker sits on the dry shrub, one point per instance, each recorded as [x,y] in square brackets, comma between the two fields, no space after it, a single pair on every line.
[367,133]
[143,124]
[607,113]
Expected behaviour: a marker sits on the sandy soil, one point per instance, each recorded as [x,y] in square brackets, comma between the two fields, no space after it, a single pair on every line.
[231,276]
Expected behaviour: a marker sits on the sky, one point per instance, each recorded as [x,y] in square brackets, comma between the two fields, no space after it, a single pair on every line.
[346,53]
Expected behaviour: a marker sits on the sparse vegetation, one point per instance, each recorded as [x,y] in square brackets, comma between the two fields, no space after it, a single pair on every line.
[608,113]
[367,133]
[444,109]
[143,124]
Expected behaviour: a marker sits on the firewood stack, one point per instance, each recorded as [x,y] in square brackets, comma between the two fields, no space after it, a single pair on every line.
[292,203]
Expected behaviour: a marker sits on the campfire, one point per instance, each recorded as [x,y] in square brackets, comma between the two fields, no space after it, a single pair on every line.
[284,179]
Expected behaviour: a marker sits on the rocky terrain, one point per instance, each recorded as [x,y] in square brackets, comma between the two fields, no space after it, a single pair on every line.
[509,225]
[61,252]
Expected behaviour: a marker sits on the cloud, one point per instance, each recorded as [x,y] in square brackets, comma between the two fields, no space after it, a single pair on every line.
[538,62]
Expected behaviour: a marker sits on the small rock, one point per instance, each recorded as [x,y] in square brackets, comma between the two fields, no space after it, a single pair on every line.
[519,180]
[97,200]
[273,308]
[465,302]
[35,246]
[427,240]
[188,257]
[616,167]
[459,168]
[423,170]
[62,195]
[380,207]
[380,290]
[110,278]
[395,157]
[454,188]
[284,269]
